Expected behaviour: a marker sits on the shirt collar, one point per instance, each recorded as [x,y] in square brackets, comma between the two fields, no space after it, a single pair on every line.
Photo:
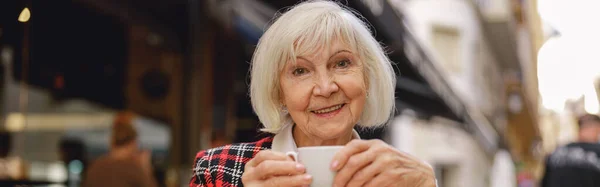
[284,140]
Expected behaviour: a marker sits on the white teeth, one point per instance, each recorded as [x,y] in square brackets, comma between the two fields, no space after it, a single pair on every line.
[328,109]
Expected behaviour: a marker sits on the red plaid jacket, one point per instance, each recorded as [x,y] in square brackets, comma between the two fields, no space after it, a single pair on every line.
[224,166]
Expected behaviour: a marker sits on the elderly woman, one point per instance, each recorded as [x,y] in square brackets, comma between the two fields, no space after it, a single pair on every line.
[316,73]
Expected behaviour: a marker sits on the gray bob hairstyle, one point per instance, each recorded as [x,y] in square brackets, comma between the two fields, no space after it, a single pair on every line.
[303,29]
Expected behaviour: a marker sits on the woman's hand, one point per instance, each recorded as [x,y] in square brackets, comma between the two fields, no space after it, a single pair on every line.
[373,163]
[270,168]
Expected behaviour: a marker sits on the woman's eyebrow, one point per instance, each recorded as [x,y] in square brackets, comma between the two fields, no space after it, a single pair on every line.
[332,55]
[302,58]
[340,51]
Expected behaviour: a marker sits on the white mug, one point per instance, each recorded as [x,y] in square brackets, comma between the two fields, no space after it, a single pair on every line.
[317,161]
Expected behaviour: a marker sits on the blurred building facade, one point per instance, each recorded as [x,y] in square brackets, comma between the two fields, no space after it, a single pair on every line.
[457,158]
[485,49]
[452,32]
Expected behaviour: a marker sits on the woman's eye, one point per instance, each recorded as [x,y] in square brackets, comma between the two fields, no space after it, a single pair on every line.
[299,71]
[342,64]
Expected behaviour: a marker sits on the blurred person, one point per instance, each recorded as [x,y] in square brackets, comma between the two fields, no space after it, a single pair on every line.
[317,72]
[125,165]
[13,168]
[71,151]
[578,163]
[5,146]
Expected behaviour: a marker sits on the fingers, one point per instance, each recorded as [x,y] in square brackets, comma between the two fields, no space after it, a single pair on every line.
[294,180]
[267,155]
[269,164]
[369,172]
[402,177]
[383,180]
[374,163]
[356,163]
[270,168]
[291,180]
[341,158]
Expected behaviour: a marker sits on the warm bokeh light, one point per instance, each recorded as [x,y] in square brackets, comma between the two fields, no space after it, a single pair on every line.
[25,15]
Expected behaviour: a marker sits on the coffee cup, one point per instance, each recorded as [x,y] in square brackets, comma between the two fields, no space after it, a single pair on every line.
[317,161]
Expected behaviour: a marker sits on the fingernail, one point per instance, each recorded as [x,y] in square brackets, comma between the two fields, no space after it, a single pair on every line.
[307,177]
[334,164]
[299,167]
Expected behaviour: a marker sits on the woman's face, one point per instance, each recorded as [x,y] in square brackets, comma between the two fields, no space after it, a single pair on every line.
[325,92]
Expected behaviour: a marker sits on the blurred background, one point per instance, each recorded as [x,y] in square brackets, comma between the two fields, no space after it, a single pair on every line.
[486,88]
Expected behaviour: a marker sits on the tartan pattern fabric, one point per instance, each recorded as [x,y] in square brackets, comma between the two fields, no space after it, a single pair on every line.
[224,166]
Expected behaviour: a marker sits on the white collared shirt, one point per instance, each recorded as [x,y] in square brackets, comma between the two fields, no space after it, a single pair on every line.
[284,141]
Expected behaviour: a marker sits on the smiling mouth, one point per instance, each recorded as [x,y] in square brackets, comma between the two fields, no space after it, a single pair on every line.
[328,110]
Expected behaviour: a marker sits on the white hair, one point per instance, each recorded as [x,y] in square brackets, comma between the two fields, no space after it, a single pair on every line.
[303,29]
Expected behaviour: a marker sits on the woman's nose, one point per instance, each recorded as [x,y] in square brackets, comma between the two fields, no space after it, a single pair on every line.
[325,86]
